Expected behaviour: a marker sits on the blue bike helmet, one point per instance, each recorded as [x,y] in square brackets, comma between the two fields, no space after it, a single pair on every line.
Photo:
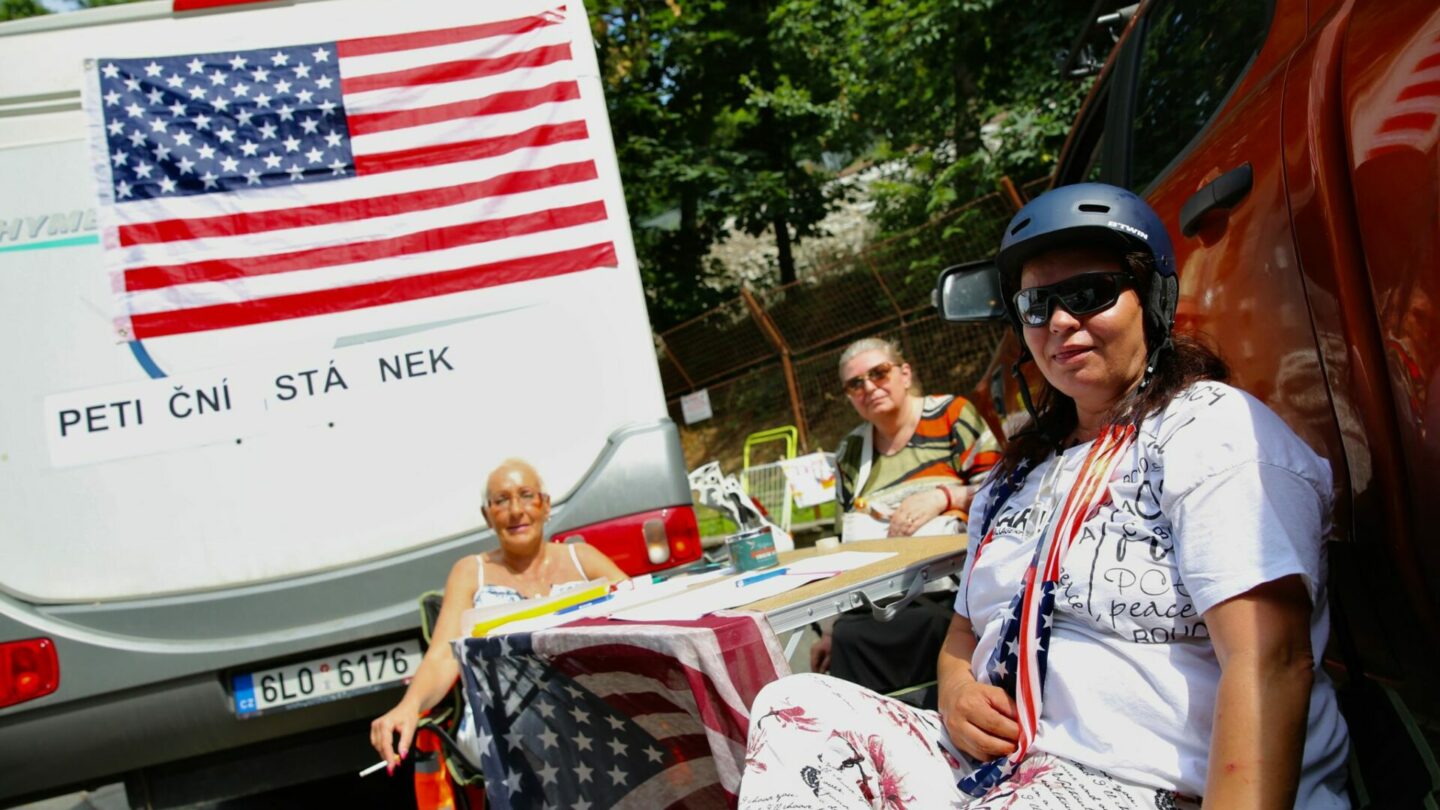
[1094,214]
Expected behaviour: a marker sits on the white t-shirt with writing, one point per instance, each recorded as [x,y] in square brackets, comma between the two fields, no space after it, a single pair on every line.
[1217,496]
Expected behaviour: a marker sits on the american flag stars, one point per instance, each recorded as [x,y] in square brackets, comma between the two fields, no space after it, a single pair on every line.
[547,742]
[195,124]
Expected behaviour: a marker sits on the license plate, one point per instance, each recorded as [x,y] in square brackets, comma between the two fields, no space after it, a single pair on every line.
[322,679]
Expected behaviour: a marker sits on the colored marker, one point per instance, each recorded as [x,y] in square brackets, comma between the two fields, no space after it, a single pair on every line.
[759,577]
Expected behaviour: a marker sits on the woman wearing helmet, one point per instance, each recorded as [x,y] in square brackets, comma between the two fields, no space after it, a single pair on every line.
[1141,618]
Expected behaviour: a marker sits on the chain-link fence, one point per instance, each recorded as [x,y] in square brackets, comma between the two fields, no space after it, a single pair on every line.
[1035,188]
[769,358]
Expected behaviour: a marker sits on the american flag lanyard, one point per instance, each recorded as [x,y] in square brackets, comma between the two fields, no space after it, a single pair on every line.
[1017,664]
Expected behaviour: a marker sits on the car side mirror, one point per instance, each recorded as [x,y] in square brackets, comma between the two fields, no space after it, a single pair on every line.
[966,293]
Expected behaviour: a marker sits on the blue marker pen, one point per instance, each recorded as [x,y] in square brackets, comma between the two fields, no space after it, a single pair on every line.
[758,577]
[597,600]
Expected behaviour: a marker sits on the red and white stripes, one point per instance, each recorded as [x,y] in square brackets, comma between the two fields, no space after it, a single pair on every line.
[473,166]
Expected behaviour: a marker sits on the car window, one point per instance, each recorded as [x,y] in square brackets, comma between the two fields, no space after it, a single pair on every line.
[1086,150]
[1192,54]
[1096,171]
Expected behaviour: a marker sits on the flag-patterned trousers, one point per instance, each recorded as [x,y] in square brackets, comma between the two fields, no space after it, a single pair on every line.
[820,742]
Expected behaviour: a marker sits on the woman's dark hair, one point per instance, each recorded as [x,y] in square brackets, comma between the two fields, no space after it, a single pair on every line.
[1185,362]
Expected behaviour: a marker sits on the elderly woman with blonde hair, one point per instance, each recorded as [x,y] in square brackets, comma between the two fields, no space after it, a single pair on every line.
[909,469]
[913,465]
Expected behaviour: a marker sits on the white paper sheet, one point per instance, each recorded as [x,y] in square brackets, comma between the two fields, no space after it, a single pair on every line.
[691,580]
[839,561]
[750,587]
[727,593]
[685,599]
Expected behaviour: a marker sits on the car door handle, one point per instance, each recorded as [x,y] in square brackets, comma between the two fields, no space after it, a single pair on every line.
[1220,194]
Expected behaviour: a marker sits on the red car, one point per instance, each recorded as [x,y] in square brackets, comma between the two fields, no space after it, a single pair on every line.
[1291,148]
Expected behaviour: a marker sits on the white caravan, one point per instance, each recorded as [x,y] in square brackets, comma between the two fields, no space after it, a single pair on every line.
[260,351]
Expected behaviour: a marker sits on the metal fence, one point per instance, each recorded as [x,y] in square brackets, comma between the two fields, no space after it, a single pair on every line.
[769,357]
[1034,188]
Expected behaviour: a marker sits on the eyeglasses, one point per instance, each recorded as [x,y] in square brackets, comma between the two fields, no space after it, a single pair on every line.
[1080,295]
[526,498]
[877,375]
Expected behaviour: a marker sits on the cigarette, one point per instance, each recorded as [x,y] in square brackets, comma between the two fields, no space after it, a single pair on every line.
[373,768]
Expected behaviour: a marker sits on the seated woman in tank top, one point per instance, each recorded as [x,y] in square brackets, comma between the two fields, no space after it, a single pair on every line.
[523,567]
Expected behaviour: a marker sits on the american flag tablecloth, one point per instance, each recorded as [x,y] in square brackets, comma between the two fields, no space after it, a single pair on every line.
[600,714]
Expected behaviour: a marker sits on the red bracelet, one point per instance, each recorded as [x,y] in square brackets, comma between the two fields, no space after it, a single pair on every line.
[949,504]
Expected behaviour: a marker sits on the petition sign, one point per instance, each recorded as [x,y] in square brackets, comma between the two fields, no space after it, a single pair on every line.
[231,404]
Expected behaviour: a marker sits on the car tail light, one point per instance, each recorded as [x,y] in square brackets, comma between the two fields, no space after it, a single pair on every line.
[646,541]
[28,669]
[200,5]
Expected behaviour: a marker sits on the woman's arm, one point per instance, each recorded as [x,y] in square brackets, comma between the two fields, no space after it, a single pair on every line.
[973,452]
[437,671]
[979,717]
[1262,639]
[598,566]
[924,506]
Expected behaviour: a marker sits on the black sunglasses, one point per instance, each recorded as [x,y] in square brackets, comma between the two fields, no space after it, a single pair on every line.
[1080,295]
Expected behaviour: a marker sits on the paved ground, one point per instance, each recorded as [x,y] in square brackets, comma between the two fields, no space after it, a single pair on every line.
[347,790]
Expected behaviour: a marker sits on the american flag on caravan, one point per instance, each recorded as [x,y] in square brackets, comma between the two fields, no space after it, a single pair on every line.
[299,180]
[599,714]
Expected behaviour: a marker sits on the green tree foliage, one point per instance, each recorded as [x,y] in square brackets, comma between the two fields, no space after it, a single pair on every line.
[661,103]
[16,9]
[720,124]
[737,115]
[953,93]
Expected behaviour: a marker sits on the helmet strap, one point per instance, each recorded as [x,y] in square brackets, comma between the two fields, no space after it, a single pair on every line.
[1151,361]
[1167,291]
[1024,386]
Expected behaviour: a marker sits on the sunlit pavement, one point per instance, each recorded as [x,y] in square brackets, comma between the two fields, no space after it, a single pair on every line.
[346,790]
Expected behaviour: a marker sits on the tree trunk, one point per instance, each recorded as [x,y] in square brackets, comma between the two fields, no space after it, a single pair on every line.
[967,132]
[778,151]
[691,247]
[782,249]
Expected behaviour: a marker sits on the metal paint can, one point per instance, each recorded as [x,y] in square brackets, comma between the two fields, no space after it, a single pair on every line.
[752,550]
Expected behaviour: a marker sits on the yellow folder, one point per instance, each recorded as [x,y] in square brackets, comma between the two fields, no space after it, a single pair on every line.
[531,608]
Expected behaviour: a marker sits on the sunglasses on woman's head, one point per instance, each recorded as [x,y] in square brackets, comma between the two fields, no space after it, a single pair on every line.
[1081,295]
[878,375]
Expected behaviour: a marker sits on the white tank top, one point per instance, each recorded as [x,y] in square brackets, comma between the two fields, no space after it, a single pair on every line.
[487,595]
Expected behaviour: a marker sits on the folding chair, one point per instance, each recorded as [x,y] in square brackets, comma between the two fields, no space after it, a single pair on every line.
[444,778]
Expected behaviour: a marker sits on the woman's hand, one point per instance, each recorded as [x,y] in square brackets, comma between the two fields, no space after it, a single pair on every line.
[915,511]
[980,719]
[400,720]
[820,653]
[437,672]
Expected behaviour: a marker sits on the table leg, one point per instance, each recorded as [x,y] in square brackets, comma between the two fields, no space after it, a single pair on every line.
[793,643]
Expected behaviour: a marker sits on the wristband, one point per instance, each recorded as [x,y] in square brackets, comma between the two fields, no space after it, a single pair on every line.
[949,504]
